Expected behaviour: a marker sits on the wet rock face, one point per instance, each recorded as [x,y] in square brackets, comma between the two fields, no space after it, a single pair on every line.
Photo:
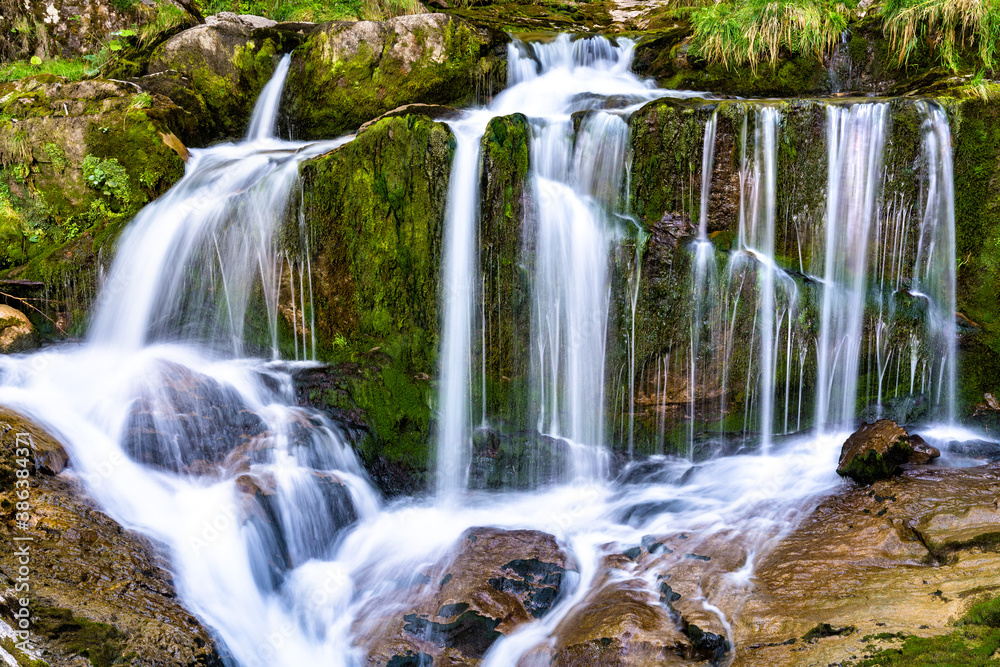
[97,590]
[353,72]
[184,418]
[874,452]
[907,555]
[494,581]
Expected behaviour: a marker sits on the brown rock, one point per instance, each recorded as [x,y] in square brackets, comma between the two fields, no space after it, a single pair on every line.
[618,625]
[96,588]
[908,554]
[494,581]
[16,331]
[922,451]
[874,452]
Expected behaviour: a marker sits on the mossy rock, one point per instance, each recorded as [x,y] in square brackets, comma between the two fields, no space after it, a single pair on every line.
[225,62]
[349,73]
[79,162]
[63,28]
[874,452]
[504,209]
[376,212]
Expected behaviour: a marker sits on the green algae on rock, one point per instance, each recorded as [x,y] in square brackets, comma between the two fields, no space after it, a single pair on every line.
[375,210]
[349,73]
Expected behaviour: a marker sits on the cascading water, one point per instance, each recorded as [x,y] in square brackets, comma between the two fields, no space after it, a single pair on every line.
[277,539]
[855,141]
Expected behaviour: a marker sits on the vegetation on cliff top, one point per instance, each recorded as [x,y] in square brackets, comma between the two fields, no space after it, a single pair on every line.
[960,34]
[317,10]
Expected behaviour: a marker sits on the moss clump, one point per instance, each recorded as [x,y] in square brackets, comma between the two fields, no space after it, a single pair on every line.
[972,644]
[100,643]
[342,82]
[23,659]
[377,209]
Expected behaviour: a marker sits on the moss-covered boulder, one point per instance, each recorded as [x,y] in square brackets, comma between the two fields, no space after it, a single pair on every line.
[874,452]
[349,73]
[375,210]
[77,161]
[225,63]
[97,591]
[66,28]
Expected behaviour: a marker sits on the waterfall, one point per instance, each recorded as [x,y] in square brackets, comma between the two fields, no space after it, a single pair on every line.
[190,265]
[204,452]
[265,112]
[459,286]
[934,269]
[184,427]
[577,176]
[704,280]
[855,141]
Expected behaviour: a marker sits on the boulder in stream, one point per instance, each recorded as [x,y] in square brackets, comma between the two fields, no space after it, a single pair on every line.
[493,581]
[875,451]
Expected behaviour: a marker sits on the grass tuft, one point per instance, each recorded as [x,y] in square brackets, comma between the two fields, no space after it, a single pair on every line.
[756,31]
[73,69]
[950,26]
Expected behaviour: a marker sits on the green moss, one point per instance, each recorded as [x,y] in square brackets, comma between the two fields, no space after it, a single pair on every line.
[506,287]
[23,660]
[873,466]
[330,94]
[100,643]
[376,208]
[976,131]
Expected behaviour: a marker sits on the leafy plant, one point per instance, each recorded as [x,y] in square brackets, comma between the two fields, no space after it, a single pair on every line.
[108,177]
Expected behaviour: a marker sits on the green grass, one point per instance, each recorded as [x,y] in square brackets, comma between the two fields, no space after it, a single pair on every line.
[737,34]
[166,18]
[317,10]
[74,69]
[950,26]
